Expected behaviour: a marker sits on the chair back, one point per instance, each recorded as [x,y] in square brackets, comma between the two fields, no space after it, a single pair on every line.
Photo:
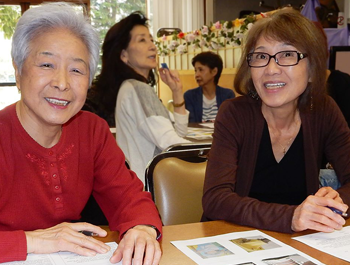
[188,146]
[178,190]
[192,155]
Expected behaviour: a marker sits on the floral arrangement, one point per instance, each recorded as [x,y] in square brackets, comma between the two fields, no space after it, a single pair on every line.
[213,37]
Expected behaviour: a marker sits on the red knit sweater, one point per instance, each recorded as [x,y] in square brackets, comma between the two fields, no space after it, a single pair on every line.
[41,187]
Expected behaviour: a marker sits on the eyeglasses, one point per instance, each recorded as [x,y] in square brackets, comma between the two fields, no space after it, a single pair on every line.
[283,58]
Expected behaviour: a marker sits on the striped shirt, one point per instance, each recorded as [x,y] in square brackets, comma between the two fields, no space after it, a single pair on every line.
[210,109]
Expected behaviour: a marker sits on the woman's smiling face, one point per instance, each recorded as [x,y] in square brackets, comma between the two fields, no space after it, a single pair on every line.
[276,85]
[54,78]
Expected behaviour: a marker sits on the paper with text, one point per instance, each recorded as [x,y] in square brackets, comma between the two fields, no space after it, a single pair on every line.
[336,243]
[68,258]
[242,248]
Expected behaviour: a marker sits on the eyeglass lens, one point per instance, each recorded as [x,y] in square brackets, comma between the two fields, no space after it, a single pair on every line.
[283,58]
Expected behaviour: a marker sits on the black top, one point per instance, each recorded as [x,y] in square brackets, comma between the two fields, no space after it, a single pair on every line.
[339,89]
[283,182]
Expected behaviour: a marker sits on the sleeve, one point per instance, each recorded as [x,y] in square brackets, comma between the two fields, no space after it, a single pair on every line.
[13,246]
[181,123]
[160,131]
[118,190]
[155,128]
[189,104]
[231,162]
[230,94]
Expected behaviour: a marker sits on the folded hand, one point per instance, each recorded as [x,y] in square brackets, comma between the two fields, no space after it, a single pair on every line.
[314,214]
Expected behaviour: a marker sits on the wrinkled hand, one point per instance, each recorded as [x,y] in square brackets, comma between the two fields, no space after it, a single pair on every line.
[172,79]
[328,192]
[313,213]
[66,237]
[140,244]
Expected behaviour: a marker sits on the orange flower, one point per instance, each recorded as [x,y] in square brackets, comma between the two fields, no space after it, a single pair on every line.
[181,35]
[237,23]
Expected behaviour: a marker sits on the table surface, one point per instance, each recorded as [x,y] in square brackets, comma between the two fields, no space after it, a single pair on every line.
[173,256]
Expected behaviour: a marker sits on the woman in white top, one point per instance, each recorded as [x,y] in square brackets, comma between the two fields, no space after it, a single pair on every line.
[126,87]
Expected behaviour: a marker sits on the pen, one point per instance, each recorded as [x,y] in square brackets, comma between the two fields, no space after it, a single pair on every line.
[88,233]
[164,65]
[338,211]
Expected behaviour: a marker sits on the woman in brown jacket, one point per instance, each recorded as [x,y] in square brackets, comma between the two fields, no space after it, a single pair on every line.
[268,145]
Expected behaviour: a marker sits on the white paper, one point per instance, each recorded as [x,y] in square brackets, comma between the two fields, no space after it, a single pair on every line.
[336,243]
[248,248]
[208,124]
[68,258]
[199,133]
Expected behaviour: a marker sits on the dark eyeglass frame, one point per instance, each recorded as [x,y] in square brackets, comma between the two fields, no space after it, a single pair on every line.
[300,57]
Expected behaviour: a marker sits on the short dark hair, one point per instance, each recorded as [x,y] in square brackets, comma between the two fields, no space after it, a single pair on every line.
[211,60]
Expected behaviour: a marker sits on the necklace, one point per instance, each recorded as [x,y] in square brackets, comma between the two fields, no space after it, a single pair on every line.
[285,147]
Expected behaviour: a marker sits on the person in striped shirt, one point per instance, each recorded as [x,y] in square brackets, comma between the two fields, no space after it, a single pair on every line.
[204,101]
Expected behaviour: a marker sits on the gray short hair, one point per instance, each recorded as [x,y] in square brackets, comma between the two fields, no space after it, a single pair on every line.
[47,17]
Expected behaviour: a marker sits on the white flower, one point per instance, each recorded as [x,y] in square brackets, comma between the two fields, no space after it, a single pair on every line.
[234,44]
[173,44]
[239,35]
[190,37]
[224,26]
[214,45]
[205,30]
[249,26]
[202,43]
[181,49]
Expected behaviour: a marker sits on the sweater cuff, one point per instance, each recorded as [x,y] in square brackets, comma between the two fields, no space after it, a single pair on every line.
[13,246]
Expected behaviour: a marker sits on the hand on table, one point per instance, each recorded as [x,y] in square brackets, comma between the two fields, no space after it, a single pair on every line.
[66,237]
[139,243]
[314,214]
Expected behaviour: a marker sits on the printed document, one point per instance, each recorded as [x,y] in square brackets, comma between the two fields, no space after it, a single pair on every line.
[67,258]
[242,248]
[336,243]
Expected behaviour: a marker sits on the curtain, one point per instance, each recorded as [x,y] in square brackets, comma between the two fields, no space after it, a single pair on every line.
[188,15]
[309,9]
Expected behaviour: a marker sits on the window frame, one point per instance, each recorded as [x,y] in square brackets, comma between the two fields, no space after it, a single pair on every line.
[26,5]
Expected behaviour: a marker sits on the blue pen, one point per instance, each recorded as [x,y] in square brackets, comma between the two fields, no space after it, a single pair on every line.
[338,211]
[164,65]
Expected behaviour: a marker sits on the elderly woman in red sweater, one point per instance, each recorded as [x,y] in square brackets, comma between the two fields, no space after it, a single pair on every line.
[53,156]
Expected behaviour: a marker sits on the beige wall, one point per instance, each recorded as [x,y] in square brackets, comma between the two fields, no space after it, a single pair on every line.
[188,82]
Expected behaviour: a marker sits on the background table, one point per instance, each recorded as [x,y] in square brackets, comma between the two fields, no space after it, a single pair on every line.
[173,256]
